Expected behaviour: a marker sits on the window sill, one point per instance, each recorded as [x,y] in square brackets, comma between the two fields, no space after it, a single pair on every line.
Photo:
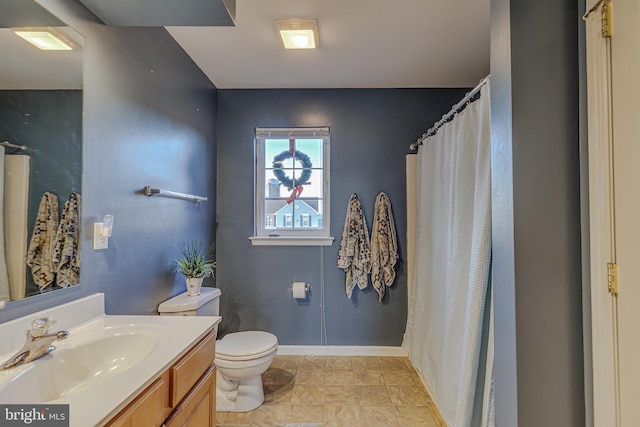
[290,241]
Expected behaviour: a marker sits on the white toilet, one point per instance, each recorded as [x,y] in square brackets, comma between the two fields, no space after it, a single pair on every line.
[241,357]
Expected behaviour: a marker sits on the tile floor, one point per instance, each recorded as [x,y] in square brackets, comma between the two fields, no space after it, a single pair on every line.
[310,391]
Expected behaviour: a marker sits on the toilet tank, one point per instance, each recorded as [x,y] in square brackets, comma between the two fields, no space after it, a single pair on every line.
[205,304]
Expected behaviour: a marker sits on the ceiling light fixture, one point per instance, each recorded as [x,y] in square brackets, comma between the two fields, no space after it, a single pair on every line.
[46,38]
[298,33]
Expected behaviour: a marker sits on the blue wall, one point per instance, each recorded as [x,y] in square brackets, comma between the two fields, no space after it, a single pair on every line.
[149,119]
[535,116]
[371,130]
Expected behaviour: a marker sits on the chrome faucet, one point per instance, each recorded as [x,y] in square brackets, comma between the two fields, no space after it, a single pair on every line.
[39,342]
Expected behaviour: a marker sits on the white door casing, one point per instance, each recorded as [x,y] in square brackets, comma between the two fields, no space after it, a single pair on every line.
[625,85]
[603,303]
[613,65]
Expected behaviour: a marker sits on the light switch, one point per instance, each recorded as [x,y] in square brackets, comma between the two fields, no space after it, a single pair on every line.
[100,240]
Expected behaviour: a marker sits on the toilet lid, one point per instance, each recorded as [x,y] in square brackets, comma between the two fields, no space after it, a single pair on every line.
[184,302]
[247,343]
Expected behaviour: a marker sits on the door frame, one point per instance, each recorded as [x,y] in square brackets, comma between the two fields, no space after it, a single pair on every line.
[606,411]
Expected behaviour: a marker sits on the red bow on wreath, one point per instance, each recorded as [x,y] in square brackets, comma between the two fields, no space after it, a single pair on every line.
[295,194]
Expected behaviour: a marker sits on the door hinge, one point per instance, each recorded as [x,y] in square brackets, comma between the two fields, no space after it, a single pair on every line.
[612,278]
[605,19]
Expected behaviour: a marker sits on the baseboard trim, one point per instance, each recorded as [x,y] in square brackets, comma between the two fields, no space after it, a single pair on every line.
[340,350]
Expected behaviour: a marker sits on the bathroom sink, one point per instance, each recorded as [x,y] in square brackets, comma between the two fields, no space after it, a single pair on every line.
[80,363]
[102,366]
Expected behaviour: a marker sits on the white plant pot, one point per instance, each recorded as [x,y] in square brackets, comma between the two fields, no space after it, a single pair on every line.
[193,285]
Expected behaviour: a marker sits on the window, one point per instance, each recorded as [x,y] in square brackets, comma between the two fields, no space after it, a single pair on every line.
[270,221]
[292,186]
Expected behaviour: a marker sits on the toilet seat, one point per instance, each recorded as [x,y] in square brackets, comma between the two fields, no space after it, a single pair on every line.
[247,345]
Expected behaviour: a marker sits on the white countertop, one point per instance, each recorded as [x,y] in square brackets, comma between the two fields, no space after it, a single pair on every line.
[95,405]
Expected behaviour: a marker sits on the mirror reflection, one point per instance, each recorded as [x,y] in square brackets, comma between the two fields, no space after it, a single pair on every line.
[40,154]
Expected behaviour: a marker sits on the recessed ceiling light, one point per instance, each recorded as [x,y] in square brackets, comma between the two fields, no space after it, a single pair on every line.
[298,33]
[46,38]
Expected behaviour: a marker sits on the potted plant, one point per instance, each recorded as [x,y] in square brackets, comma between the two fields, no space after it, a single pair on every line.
[195,264]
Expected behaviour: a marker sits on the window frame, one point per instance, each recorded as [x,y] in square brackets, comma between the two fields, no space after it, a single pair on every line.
[300,236]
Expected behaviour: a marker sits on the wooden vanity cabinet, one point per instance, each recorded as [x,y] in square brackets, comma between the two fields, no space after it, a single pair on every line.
[198,408]
[146,410]
[183,395]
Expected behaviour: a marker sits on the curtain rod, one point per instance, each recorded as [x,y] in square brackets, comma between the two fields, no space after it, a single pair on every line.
[10,145]
[433,129]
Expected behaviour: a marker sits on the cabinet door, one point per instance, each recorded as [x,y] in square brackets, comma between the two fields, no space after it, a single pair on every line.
[146,410]
[198,408]
[192,366]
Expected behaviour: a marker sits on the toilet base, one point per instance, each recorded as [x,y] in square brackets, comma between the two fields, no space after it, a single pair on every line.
[250,396]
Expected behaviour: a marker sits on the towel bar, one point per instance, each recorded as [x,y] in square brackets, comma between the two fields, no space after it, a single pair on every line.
[148,191]
[10,145]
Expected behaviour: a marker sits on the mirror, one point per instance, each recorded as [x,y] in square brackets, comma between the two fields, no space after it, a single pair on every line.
[41,110]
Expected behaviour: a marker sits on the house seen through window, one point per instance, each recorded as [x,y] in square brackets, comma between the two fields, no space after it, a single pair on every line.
[292,182]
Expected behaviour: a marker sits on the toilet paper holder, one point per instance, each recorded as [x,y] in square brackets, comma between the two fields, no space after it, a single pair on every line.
[297,286]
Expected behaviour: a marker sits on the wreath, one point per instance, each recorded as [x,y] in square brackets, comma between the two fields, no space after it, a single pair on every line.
[291,183]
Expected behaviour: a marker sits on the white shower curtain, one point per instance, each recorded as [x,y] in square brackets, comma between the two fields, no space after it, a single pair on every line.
[448,335]
[4,277]
[16,208]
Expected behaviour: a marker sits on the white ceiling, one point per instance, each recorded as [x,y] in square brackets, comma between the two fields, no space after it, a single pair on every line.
[363,44]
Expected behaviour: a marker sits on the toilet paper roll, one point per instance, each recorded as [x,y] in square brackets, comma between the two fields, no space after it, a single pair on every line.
[299,290]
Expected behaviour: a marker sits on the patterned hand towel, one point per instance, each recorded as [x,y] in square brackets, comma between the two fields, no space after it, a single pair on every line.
[43,241]
[384,245]
[354,255]
[66,254]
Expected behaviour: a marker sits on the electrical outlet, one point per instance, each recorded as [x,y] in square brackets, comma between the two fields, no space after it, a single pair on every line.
[99,240]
